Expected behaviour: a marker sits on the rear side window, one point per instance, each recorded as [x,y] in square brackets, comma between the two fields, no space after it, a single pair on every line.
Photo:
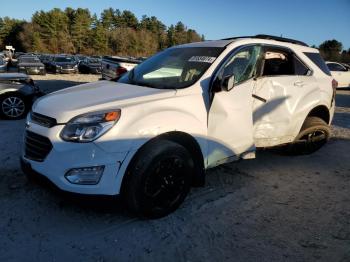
[317,60]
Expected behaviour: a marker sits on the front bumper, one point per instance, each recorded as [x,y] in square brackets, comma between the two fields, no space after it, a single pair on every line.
[32,71]
[67,70]
[64,156]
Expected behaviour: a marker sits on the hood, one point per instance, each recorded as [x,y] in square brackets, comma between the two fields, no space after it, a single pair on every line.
[102,95]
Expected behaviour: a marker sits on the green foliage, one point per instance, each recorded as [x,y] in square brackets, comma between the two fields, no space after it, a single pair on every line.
[331,49]
[9,30]
[78,31]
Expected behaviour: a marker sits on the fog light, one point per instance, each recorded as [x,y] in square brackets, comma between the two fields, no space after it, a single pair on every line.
[85,175]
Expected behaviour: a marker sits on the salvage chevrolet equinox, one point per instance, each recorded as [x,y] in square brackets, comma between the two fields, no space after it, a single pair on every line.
[150,136]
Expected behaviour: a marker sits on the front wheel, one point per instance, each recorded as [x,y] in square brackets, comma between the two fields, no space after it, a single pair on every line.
[314,133]
[159,179]
[13,106]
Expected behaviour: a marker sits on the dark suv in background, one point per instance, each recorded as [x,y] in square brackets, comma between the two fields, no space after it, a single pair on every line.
[63,64]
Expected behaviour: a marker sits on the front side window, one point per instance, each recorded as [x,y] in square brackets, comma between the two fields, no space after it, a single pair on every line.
[242,65]
[173,68]
[283,62]
[278,63]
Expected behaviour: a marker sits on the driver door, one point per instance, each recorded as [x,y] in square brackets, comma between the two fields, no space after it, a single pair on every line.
[230,120]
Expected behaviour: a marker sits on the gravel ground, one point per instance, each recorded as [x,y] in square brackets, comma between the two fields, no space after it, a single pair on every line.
[273,208]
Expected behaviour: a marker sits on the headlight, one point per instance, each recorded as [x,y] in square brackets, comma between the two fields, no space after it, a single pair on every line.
[76,66]
[22,67]
[88,127]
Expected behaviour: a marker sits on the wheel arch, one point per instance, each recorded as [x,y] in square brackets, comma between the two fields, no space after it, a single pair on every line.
[185,140]
[320,111]
[317,110]
[5,92]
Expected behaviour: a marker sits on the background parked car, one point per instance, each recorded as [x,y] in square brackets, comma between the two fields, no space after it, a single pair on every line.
[90,66]
[341,73]
[63,64]
[30,65]
[17,93]
[113,67]
[3,65]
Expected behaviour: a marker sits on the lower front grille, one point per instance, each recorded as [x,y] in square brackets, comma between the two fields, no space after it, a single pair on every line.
[36,147]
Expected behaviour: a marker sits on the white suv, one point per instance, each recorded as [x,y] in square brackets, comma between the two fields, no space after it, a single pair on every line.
[341,73]
[152,135]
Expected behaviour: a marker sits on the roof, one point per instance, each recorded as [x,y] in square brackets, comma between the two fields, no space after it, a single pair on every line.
[227,41]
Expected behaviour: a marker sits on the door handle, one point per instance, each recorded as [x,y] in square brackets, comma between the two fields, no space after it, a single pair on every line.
[259,98]
[299,83]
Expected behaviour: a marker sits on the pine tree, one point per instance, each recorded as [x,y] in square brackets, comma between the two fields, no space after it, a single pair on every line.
[77,31]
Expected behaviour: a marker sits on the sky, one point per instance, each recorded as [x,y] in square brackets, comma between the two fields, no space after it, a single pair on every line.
[311,21]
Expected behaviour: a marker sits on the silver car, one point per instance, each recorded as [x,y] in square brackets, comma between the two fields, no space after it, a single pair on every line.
[17,94]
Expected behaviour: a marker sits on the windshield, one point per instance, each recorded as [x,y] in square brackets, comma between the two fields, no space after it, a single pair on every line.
[94,61]
[173,68]
[64,59]
[29,60]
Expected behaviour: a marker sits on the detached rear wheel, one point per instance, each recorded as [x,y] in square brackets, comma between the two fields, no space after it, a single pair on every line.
[12,106]
[314,133]
[159,179]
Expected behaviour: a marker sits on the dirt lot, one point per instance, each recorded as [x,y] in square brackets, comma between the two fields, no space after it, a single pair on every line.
[273,208]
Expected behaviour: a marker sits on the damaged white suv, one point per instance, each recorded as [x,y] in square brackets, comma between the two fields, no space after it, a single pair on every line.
[150,136]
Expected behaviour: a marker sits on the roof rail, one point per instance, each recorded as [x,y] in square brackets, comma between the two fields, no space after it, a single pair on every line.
[281,39]
[270,37]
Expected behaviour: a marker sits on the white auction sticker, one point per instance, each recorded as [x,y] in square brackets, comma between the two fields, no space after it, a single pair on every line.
[202,59]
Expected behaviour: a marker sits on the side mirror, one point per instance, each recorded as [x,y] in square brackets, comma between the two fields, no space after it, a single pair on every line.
[228,83]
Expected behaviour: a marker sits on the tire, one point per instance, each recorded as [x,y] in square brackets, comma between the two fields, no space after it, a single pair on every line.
[13,106]
[314,134]
[158,179]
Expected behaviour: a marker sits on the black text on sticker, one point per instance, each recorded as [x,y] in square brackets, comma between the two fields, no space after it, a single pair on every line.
[202,59]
